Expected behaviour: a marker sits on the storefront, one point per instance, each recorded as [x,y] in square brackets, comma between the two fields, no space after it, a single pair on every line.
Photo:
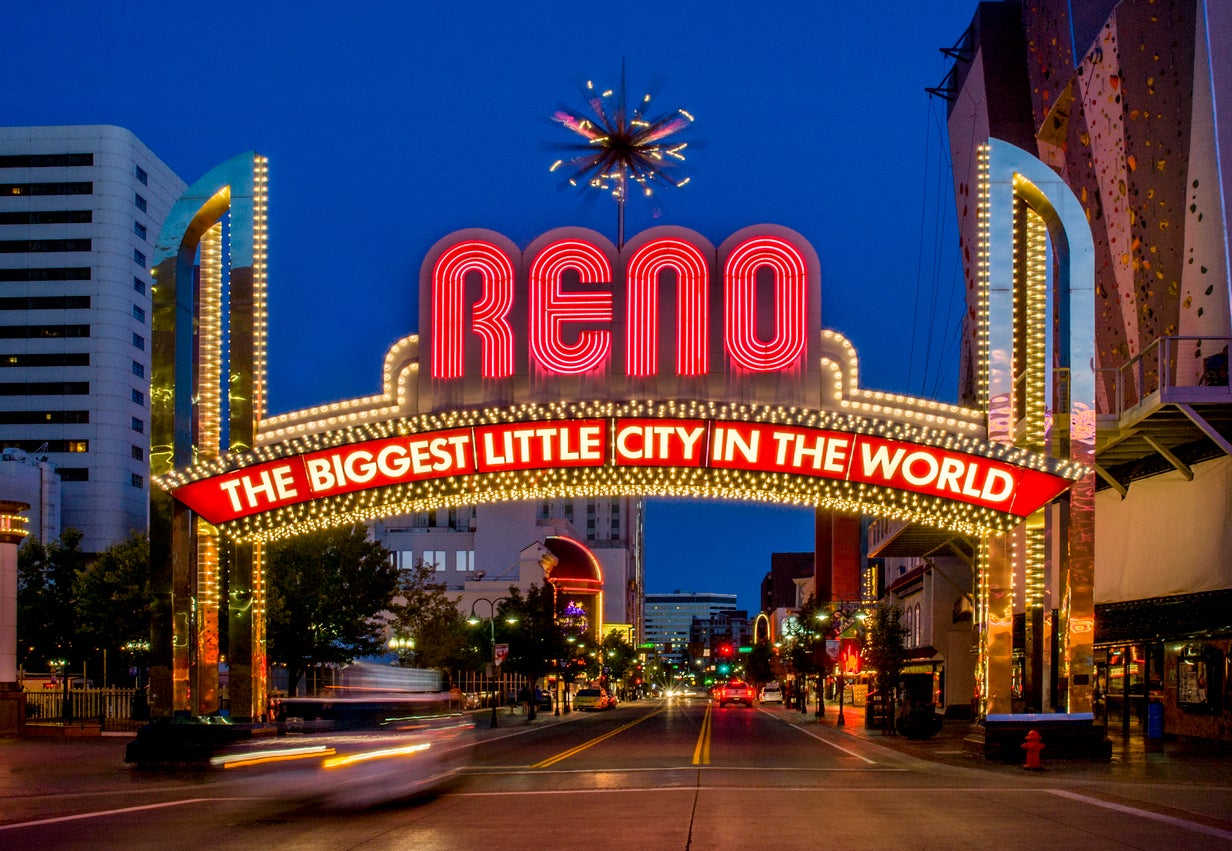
[1162,666]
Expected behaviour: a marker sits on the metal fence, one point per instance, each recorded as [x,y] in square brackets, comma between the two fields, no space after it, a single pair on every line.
[114,708]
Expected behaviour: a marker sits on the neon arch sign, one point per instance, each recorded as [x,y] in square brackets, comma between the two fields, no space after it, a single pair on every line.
[541,377]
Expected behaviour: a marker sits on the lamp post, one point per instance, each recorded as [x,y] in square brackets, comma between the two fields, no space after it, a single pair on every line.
[844,615]
[402,646]
[474,619]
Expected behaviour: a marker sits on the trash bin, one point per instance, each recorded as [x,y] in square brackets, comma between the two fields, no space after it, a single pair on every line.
[1154,720]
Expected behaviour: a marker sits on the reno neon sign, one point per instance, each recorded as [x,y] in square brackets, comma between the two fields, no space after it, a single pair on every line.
[667,306]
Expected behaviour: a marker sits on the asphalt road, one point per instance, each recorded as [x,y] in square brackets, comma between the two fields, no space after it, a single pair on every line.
[647,775]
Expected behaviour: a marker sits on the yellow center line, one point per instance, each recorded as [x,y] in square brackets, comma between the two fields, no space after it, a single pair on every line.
[552,760]
[701,753]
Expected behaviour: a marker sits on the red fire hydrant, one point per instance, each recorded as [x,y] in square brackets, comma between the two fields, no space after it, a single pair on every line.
[1033,745]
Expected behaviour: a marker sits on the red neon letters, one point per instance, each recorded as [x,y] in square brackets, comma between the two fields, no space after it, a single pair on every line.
[571,290]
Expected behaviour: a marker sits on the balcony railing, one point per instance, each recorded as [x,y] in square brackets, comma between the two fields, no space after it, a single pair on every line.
[1186,369]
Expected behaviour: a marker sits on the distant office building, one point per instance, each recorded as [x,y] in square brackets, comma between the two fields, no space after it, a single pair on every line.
[669,619]
[80,208]
[780,588]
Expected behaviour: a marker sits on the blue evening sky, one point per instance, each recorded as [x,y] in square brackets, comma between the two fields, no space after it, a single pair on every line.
[389,125]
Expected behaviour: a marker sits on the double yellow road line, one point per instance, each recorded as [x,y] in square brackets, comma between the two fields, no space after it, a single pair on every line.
[701,751]
[563,755]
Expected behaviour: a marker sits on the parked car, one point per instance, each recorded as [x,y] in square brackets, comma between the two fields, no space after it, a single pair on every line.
[772,693]
[735,691]
[588,699]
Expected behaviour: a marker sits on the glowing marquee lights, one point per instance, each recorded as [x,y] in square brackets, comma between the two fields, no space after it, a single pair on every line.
[761,274]
[476,458]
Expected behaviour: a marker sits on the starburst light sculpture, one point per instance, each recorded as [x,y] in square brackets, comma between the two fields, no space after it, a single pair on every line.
[621,150]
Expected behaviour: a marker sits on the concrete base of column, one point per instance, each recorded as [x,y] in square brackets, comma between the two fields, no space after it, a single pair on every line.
[1000,738]
[12,709]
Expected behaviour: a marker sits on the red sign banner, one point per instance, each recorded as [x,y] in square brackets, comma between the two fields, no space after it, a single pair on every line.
[623,443]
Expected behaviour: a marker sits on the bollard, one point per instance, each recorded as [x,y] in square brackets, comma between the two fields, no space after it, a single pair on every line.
[1033,745]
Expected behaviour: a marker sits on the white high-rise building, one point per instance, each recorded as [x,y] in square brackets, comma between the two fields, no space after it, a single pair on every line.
[80,208]
[669,619]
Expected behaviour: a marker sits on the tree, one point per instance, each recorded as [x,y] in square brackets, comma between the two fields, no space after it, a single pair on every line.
[885,646]
[46,608]
[536,643]
[112,597]
[616,655]
[806,648]
[327,590]
[424,613]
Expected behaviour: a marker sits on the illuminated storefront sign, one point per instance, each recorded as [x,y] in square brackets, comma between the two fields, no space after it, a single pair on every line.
[623,442]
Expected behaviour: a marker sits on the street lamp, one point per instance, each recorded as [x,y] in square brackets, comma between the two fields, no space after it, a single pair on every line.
[474,619]
[845,615]
[401,645]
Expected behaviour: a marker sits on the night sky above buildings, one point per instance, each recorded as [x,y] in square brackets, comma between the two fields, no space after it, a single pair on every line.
[388,126]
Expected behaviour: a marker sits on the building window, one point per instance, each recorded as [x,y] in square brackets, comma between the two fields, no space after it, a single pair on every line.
[71,273]
[616,520]
[139,341]
[139,258]
[137,481]
[139,202]
[569,511]
[545,510]
[45,160]
[138,397]
[138,370]
[45,388]
[74,474]
[47,359]
[43,417]
[139,229]
[138,425]
[138,453]
[464,561]
[46,302]
[48,217]
[139,285]
[43,246]
[42,332]
[67,188]
[590,520]
[138,314]
[140,174]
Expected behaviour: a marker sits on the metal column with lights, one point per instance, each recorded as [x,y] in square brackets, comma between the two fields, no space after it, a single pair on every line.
[1036,377]
[208,392]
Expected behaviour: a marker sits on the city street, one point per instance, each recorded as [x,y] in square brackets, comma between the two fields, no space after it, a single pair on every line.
[649,774]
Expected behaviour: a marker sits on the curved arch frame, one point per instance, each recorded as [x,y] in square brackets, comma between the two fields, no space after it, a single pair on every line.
[1037,382]
[191,420]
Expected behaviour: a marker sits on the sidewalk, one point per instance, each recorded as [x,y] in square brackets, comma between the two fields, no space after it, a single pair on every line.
[1134,759]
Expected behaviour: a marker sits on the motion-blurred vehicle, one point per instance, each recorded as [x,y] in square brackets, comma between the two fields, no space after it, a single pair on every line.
[693,693]
[357,745]
[771,693]
[735,691]
[589,699]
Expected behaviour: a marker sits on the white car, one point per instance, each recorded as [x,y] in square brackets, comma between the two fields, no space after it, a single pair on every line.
[771,693]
